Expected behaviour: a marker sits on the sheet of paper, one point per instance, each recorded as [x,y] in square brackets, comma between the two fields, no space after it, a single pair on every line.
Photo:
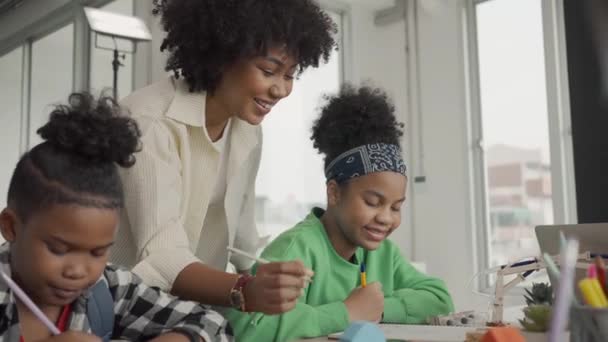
[430,333]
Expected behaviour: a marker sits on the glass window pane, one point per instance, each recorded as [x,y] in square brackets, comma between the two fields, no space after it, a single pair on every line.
[290,180]
[11,68]
[51,81]
[101,58]
[515,125]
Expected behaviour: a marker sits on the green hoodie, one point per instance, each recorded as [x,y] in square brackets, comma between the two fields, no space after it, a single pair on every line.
[409,296]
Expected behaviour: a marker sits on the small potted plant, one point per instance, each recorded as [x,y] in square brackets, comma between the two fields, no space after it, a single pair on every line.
[537,313]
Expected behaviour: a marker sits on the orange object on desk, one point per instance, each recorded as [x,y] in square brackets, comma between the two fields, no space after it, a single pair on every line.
[503,334]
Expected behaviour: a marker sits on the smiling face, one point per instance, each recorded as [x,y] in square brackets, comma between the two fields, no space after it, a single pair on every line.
[250,88]
[59,252]
[364,211]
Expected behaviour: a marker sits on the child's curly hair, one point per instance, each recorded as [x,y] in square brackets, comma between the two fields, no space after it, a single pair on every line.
[84,141]
[355,117]
[206,36]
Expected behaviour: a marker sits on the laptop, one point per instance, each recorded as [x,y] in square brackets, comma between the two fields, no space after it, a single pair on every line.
[592,237]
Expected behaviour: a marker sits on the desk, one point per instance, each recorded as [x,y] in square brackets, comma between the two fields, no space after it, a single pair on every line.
[417,333]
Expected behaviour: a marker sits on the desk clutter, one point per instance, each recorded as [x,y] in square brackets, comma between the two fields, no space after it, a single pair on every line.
[475,336]
[363,332]
[459,319]
[496,334]
[370,332]
[577,311]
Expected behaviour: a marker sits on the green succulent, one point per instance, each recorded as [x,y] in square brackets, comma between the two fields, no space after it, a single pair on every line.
[537,318]
[538,312]
[542,293]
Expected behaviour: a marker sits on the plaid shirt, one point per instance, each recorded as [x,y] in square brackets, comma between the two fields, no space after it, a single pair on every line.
[141,312]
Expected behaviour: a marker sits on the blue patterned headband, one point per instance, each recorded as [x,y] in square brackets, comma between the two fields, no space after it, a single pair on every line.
[365,159]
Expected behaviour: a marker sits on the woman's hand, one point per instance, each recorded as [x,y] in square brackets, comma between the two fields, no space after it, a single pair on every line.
[276,287]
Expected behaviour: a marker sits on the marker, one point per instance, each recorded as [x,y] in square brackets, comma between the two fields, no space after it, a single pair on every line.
[592,293]
[363,276]
[592,272]
[601,272]
[30,305]
[247,255]
[307,276]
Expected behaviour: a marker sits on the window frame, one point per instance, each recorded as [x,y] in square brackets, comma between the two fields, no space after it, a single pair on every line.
[344,11]
[53,16]
[560,137]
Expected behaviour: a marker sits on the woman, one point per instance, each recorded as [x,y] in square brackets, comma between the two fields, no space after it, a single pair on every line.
[191,193]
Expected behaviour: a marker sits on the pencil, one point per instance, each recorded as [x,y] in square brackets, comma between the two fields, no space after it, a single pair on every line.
[247,255]
[363,275]
[307,276]
[30,305]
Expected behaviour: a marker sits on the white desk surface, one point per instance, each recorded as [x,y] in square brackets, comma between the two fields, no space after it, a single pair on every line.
[416,333]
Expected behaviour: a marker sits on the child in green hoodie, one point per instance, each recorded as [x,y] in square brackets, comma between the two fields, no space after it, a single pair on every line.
[366,186]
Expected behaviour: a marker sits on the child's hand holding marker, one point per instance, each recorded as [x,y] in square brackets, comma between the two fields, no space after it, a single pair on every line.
[282,282]
[57,336]
[366,303]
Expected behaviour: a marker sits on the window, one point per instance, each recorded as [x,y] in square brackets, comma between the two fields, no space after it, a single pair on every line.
[52,76]
[11,84]
[514,127]
[291,179]
[40,73]
[101,57]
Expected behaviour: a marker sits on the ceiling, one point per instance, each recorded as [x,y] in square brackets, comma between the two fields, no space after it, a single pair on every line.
[7,5]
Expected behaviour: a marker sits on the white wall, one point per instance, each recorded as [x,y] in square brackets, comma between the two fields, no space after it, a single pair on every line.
[149,65]
[444,231]
[377,57]
[437,227]
[438,222]
[444,235]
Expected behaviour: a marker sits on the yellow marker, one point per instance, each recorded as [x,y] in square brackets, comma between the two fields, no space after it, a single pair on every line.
[597,286]
[363,278]
[592,292]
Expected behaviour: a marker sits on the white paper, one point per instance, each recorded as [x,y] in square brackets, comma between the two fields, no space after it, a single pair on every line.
[430,333]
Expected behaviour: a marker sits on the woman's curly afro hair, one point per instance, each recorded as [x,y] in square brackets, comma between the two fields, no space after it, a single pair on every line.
[206,36]
[353,118]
